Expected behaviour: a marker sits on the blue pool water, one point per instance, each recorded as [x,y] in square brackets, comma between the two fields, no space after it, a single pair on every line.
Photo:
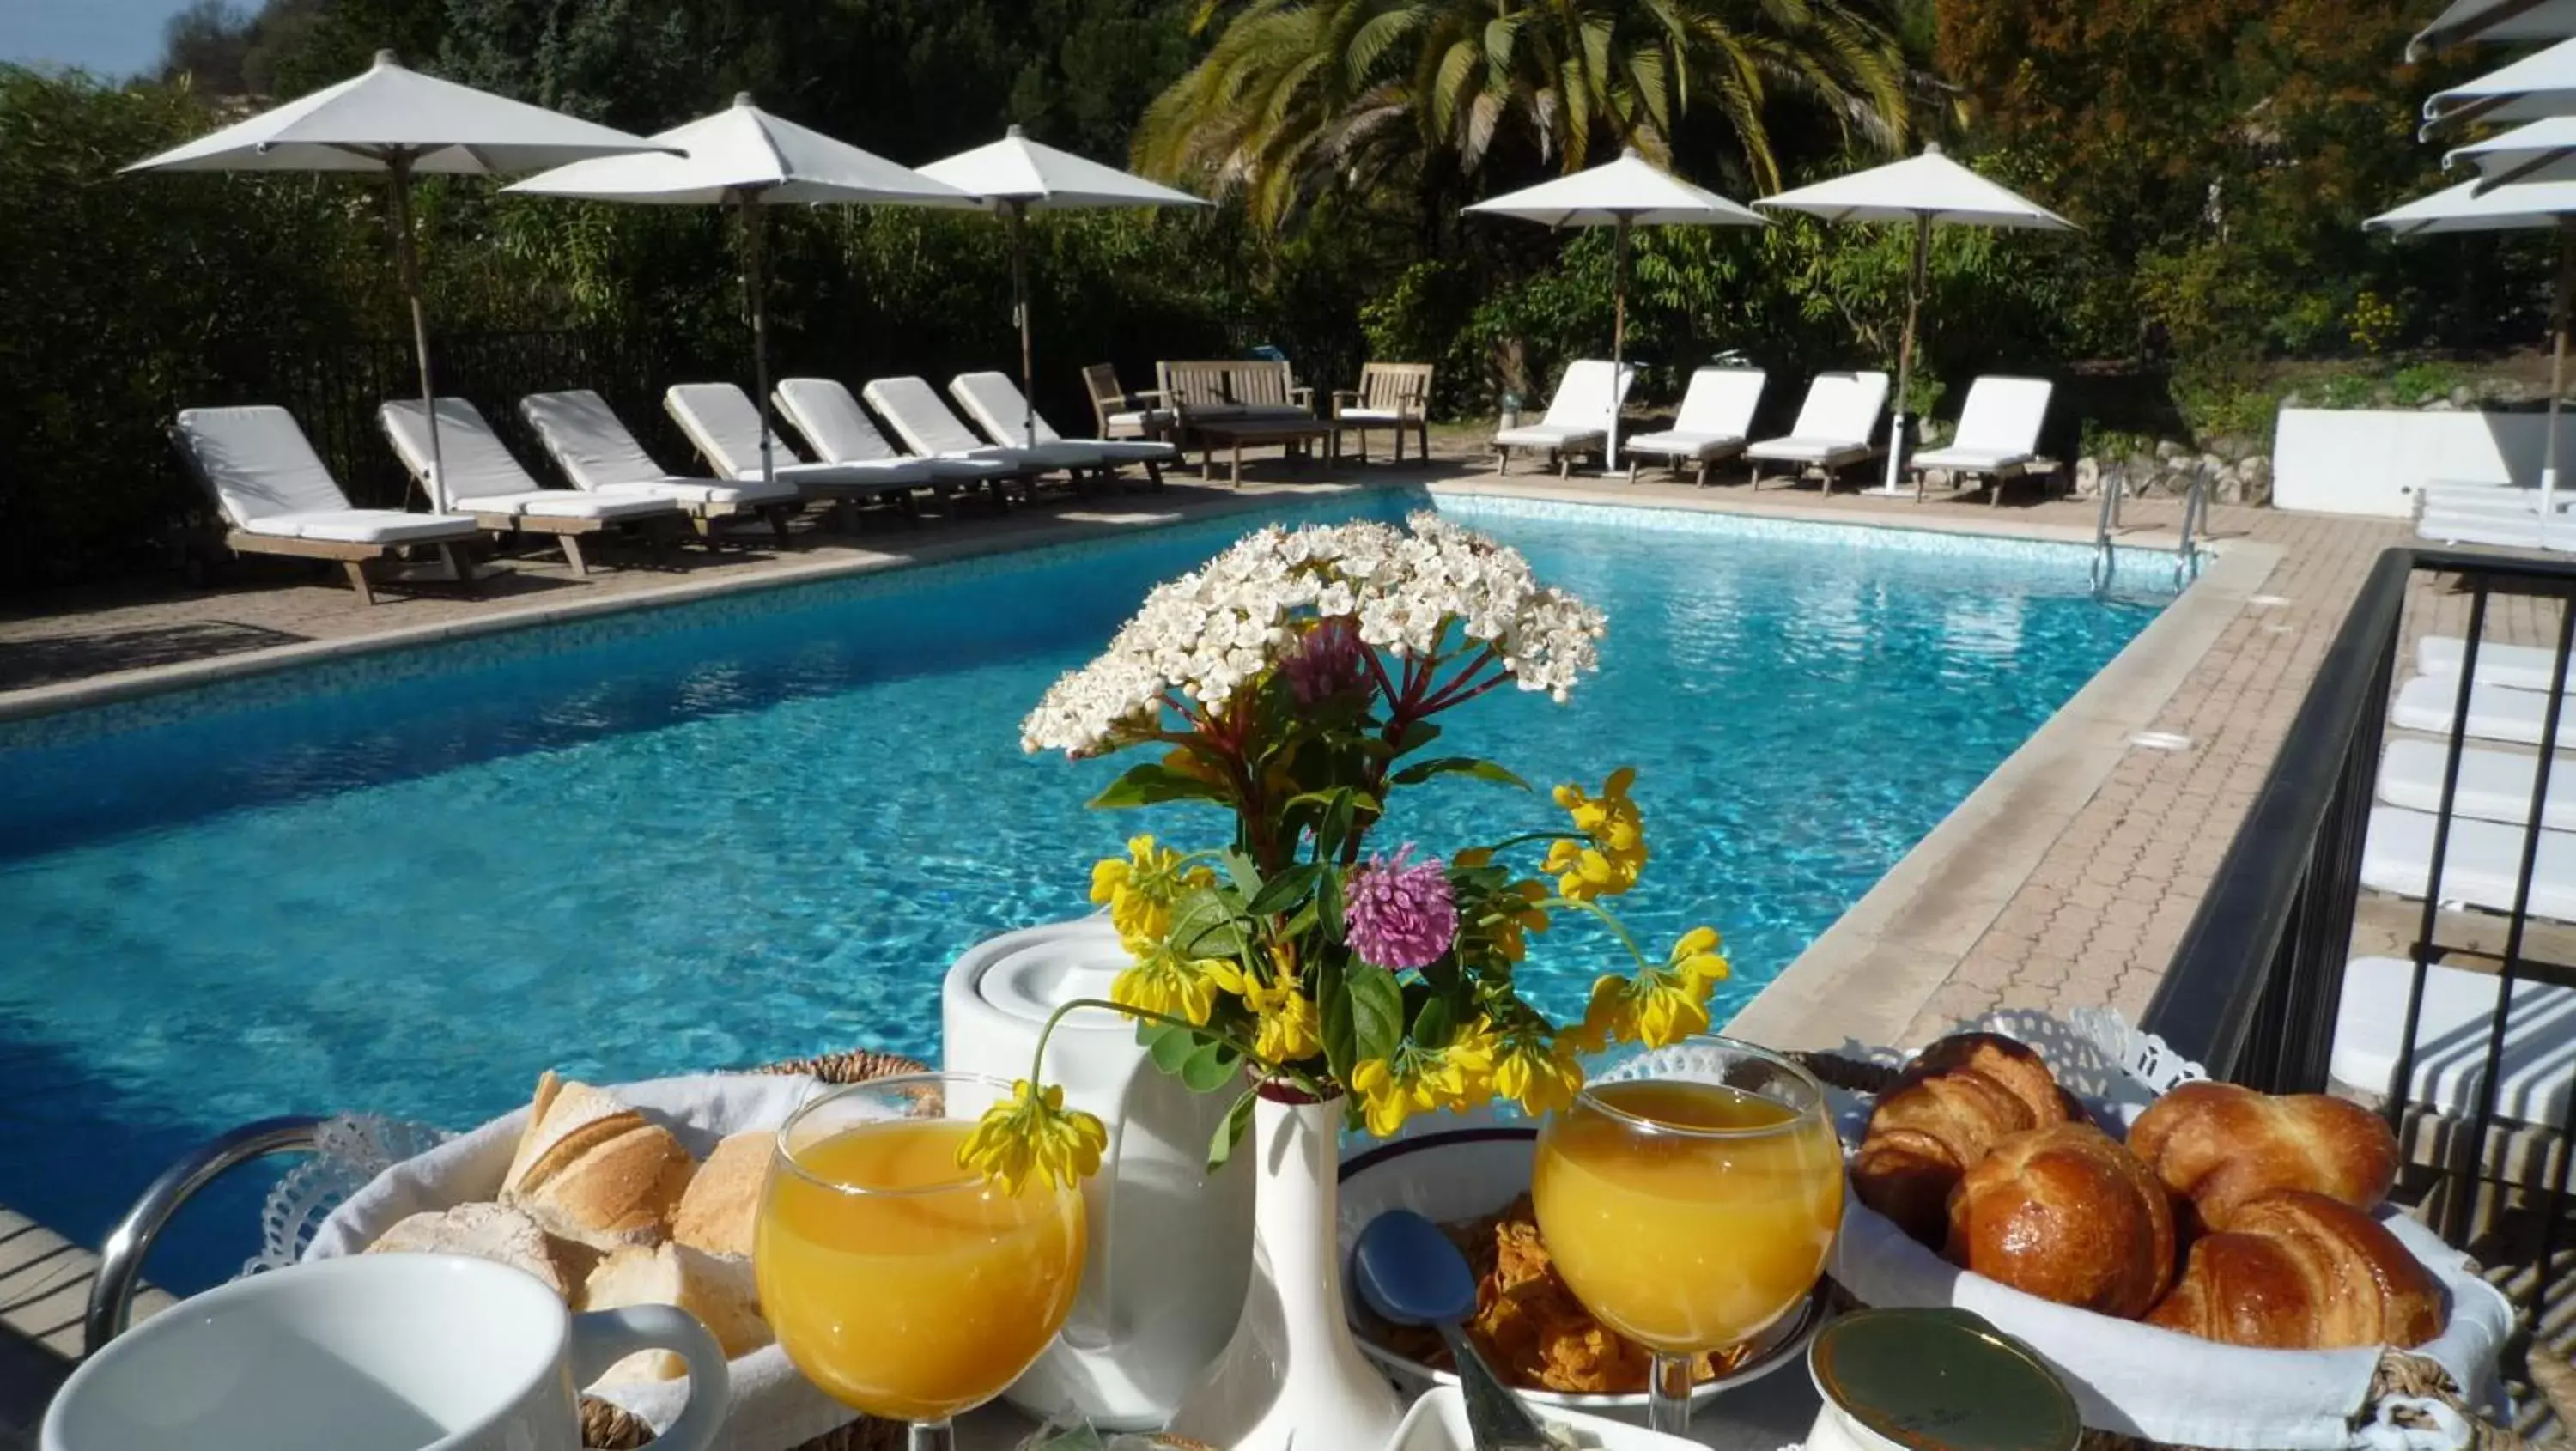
[762,830]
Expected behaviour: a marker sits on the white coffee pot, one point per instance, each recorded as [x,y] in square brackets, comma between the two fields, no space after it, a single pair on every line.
[1170,1245]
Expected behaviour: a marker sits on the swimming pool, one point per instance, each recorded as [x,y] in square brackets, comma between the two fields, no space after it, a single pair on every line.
[760,827]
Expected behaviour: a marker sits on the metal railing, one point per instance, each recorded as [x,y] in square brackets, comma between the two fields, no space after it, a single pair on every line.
[2256,991]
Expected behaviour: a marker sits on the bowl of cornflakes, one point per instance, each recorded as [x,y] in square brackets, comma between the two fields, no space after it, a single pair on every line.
[1474,1183]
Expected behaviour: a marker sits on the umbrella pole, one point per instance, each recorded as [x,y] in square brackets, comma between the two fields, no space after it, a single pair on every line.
[407,266]
[754,222]
[1017,213]
[2557,369]
[1905,354]
[1618,339]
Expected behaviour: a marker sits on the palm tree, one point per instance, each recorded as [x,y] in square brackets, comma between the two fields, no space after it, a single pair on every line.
[1297,94]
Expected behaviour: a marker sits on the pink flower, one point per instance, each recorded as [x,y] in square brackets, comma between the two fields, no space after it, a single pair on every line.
[1325,662]
[1399,914]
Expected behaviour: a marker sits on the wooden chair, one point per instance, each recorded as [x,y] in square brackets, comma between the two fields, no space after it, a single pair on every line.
[1122,414]
[1390,395]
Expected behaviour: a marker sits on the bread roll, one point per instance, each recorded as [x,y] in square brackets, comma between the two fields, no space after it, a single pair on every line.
[595,1171]
[1955,1101]
[722,1202]
[718,1289]
[494,1232]
[2218,1145]
[2301,1271]
[2068,1215]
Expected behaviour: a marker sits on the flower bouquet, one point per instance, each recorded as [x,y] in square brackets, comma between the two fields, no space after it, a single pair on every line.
[1295,681]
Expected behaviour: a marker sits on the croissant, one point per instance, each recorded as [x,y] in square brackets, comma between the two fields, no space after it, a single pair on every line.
[2300,1271]
[2218,1145]
[2068,1215]
[1955,1101]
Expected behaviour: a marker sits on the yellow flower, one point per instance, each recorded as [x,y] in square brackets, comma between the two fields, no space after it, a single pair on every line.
[1660,1005]
[1539,1076]
[1287,1026]
[1471,1056]
[1033,1132]
[1142,889]
[1518,915]
[1617,853]
[1419,1080]
[1697,957]
[1163,981]
[1386,1097]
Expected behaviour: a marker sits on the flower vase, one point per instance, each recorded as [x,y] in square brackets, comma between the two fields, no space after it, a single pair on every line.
[1292,1370]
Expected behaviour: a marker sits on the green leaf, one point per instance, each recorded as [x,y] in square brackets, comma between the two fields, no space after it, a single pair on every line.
[1377,1012]
[1242,871]
[1433,1024]
[1169,1046]
[1284,890]
[1229,1134]
[1328,905]
[1210,1065]
[1151,784]
[1415,736]
[1421,771]
[1333,1007]
[1204,926]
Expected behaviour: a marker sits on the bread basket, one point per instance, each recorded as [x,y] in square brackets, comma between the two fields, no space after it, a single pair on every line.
[773,1408]
[2145,1384]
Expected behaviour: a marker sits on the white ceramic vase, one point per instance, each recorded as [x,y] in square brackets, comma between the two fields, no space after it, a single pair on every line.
[1292,1372]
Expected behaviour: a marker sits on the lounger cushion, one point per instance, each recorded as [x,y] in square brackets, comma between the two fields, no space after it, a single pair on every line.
[742,494]
[725,429]
[2518,667]
[2451,1032]
[2480,863]
[1969,460]
[837,428]
[2500,531]
[875,476]
[1133,450]
[2496,713]
[1550,435]
[912,408]
[994,402]
[367,526]
[2494,785]
[587,440]
[258,462]
[1588,397]
[1152,420]
[1998,426]
[1684,445]
[1371,415]
[476,463]
[568,504]
[1719,403]
[1809,450]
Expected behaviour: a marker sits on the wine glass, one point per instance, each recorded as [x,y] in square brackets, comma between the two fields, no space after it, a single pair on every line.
[906,1286]
[1689,1197]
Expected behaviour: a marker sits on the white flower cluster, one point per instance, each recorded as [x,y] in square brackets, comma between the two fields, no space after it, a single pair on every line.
[1210,632]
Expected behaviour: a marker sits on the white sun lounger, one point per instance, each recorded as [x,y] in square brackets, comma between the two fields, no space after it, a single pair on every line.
[274,492]
[2480,863]
[2493,786]
[1833,428]
[926,426]
[2501,528]
[1998,433]
[839,431]
[486,481]
[2451,1031]
[585,438]
[1578,418]
[2496,713]
[724,428]
[994,402]
[2516,667]
[1715,419]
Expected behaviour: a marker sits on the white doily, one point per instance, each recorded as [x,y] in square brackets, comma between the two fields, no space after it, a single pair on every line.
[349,1151]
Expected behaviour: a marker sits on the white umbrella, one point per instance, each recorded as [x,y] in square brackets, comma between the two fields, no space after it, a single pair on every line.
[2535,151]
[401,123]
[1627,192]
[1923,190]
[2528,206]
[2497,20]
[2534,88]
[746,158]
[1015,176]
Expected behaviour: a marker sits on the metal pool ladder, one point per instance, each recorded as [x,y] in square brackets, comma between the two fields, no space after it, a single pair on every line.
[2195,522]
[2106,556]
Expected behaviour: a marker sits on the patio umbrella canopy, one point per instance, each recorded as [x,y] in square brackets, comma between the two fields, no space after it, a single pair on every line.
[2535,152]
[1926,190]
[1628,192]
[401,123]
[2494,20]
[2534,88]
[2527,206]
[1015,176]
[745,158]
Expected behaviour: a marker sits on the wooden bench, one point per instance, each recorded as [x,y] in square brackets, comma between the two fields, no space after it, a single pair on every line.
[1390,395]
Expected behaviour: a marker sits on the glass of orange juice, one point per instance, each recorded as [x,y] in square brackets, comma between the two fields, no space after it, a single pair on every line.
[904,1285]
[1689,1197]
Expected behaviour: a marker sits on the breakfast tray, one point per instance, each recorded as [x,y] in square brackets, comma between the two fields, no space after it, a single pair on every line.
[2412,1401]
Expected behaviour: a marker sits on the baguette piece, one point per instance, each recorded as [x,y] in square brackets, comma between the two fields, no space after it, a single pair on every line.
[722,1202]
[493,1232]
[594,1171]
[2068,1215]
[718,1289]
[2296,1270]
[1954,1102]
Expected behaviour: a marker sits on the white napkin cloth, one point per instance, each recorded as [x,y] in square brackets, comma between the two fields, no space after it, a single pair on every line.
[772,1407]
[2178,1389]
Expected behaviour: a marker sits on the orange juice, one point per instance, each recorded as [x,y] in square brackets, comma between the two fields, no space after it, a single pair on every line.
[1681,1241]
[912,1305]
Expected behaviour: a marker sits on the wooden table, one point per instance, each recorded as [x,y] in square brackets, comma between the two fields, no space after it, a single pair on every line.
[1296,436]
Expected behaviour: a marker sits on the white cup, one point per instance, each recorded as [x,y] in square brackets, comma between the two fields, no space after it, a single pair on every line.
[393,1352]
